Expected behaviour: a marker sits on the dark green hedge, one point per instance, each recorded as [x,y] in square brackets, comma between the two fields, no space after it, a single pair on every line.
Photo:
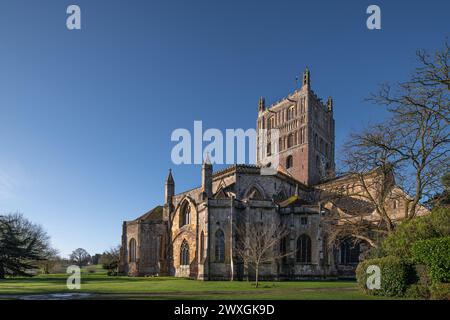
[435,254]
[396,275]
[433,225]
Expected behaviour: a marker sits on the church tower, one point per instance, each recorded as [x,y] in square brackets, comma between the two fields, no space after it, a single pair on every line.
[297,133]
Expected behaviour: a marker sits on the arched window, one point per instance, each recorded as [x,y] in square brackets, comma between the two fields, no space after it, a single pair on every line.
[283,248]
[304,249]
[289,162]
[132,250]
[349,252]
[290,140]
[184,253]
[185,214]
[254,194]
[219,246]
[280,144]
[269,149]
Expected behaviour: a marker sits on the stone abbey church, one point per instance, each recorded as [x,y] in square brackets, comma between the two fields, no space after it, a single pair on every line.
[193,234]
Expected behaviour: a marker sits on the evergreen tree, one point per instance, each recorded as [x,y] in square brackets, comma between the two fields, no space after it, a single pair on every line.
[22,244]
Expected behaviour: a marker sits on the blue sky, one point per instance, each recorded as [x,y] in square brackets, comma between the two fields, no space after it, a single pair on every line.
[86,116]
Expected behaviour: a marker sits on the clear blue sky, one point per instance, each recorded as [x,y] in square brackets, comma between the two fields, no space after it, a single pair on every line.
[86,116]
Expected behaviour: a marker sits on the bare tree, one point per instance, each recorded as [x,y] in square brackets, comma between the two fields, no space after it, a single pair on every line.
[427,89]
[258,242]
[419,131]
[80,257]
[403,158]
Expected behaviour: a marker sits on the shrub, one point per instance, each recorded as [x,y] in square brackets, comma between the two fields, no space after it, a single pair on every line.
[435,224]
[417,291]
[396,275]
[435,254]
[110,261]
[440,291]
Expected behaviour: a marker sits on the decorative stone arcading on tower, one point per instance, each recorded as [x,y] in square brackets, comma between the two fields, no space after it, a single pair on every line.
[305,146]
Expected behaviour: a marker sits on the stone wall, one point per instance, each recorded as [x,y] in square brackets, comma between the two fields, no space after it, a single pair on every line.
[152,248]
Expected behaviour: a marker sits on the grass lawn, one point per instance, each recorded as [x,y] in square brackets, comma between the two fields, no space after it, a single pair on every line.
[102,286]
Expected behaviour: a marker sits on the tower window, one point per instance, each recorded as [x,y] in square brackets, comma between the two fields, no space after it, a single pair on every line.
[291,113]
[304,220]
[289,162]
[290,140]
